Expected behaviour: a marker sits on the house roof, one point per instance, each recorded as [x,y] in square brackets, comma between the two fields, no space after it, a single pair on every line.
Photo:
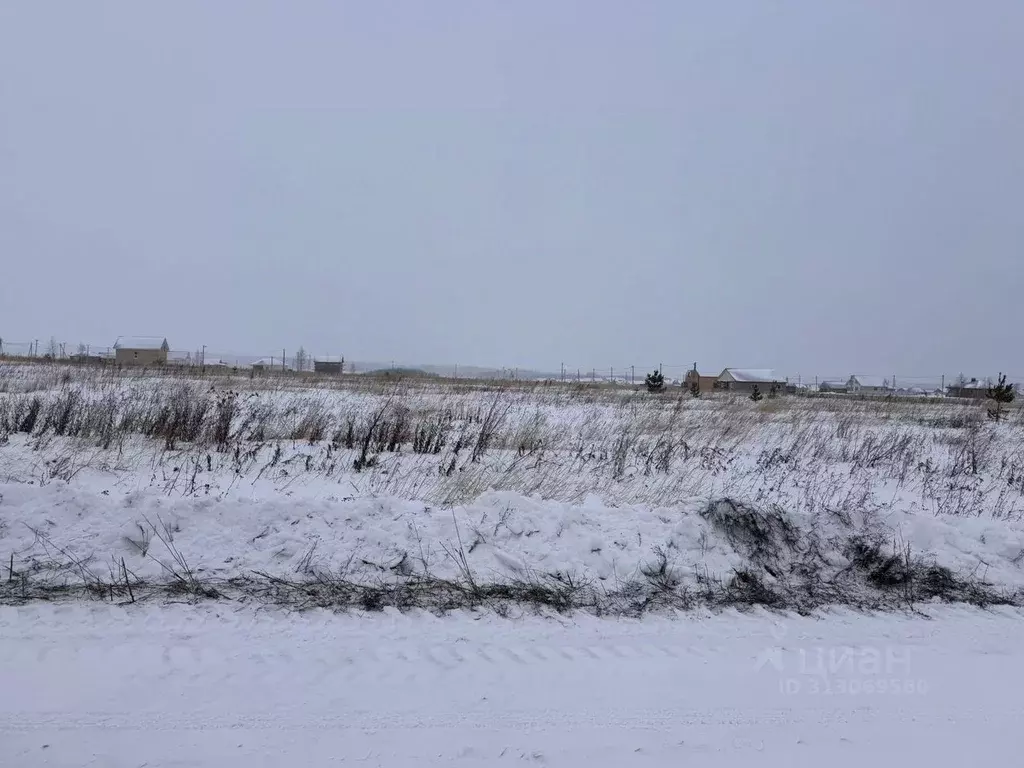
[749,375]
[973,385]
[140,342]
[272,362]
[327,359]
[871,382]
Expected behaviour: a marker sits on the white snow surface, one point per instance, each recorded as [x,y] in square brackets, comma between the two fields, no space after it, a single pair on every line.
[225,683]
[194,686]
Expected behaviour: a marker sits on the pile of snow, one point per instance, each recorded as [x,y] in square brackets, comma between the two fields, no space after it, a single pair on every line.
[696,552]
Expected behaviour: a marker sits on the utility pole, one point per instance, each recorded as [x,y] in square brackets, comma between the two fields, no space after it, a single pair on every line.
[284,360]
[36,353]
[632,374]
[563,372]
[943,387]
[204,355]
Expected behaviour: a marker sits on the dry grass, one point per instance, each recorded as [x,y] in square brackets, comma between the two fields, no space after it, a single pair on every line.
[447,442]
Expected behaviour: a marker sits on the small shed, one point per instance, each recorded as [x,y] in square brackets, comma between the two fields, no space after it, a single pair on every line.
[705,382]
[743,380]
[330,365]
[141,350]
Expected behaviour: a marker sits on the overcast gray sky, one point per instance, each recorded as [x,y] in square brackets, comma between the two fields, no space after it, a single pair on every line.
[811,186]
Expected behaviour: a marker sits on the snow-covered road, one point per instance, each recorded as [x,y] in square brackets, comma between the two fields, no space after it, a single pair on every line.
[88,684]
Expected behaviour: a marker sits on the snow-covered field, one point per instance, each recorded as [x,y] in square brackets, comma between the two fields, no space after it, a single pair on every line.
[248,572]
[441,495]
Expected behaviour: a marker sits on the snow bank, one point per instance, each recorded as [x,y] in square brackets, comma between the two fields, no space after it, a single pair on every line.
[692,551]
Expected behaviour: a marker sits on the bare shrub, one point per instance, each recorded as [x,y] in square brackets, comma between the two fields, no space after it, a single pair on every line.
[224,416]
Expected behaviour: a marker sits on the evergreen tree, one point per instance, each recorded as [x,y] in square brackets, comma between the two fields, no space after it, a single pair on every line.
[655,381]
[695,388]
[1001,394]
[756,395]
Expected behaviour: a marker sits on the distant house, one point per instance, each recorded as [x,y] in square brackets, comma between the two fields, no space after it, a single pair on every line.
[265,364]
[834,387]
[869,385]
[743,380]
[972,390]
[705,382]
[141,350]
[329,365]
[93,357]
[181,359]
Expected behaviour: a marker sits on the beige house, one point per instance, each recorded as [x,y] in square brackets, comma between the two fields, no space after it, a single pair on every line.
[141,350]
[743,380]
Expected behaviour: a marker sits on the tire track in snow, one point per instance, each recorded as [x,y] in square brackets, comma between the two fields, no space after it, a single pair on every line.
[539,719]
[183,654]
